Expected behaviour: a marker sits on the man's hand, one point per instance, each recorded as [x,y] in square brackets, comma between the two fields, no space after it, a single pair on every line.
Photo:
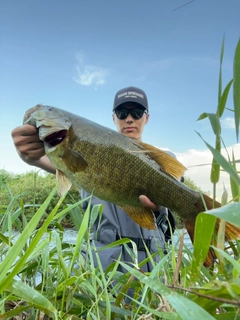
[30,148]
[26,140]
[147,203]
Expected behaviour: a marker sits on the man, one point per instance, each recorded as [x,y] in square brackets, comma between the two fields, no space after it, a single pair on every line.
[130,114]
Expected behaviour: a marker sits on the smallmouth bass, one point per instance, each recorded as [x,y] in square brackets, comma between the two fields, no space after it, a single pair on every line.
[118,169]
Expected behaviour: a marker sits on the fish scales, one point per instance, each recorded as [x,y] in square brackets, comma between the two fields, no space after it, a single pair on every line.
[107,167]
[117,163]
[118,169]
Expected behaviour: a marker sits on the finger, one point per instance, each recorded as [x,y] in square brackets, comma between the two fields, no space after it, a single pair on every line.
[24,130]
[25,136]
[29,146]
[146,202]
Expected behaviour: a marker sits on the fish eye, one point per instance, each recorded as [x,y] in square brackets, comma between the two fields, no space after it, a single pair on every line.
[50,108]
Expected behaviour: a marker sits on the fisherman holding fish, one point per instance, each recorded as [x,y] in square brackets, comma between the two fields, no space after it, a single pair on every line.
[130,115]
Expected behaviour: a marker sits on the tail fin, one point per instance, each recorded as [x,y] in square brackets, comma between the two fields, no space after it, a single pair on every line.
[231,232]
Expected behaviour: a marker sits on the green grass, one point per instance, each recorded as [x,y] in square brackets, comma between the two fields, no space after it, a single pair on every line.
[69,285]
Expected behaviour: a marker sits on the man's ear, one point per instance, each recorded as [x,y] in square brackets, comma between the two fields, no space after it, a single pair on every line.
[113,117]
[147,118]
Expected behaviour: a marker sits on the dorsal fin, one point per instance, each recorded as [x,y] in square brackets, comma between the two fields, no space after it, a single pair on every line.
[167,162]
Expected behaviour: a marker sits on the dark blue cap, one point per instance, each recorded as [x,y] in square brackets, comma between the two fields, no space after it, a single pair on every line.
[130,94]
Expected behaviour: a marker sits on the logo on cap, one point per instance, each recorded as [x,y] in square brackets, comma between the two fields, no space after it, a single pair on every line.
[131,94]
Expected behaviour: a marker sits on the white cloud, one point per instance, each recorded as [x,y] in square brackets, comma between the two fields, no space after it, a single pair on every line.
[198,163]
[228,123]
[89,74]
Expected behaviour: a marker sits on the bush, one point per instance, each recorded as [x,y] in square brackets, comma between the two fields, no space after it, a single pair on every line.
[32,189]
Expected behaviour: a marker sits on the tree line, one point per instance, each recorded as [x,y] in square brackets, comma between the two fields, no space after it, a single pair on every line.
[33,187]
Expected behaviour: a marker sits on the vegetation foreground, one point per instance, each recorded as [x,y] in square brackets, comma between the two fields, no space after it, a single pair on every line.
[43,277]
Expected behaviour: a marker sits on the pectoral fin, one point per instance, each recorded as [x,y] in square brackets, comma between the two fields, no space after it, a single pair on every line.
[74,161]
[142,216]
[64,183]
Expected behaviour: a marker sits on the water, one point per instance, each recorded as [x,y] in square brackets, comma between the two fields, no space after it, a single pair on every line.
[70,236]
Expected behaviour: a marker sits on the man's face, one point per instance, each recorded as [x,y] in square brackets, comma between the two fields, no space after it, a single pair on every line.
[129,126]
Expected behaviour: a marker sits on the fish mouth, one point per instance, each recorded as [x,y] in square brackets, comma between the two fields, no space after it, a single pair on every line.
[55,138]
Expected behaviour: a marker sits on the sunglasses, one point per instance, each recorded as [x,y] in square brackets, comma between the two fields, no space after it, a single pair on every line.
[135,113]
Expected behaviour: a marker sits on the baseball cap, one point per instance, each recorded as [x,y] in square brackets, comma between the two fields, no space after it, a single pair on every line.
[130,94]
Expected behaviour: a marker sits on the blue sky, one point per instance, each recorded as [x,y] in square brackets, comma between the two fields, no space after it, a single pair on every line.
[76,54]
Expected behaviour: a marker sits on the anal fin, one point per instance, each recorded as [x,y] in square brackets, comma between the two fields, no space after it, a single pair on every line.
[142,216]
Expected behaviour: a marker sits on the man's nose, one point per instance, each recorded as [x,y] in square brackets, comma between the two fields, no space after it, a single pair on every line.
[129,118]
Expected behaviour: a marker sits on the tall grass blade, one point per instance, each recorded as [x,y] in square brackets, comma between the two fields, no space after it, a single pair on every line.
[220,72]
[229,212]
[13,313]
[216,127]
[68,209]
[32,296]
[234,263]
[236,87]
[214,120]
[80,236]
[223,99]
[76,216]
[215,169]
[204,228]
[235,187]
[223,162]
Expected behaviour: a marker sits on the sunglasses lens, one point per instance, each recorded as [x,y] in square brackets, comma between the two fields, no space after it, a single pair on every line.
[135,113]
[122,113]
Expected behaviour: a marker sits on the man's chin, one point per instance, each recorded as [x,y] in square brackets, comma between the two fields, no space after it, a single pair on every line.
[132,135]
